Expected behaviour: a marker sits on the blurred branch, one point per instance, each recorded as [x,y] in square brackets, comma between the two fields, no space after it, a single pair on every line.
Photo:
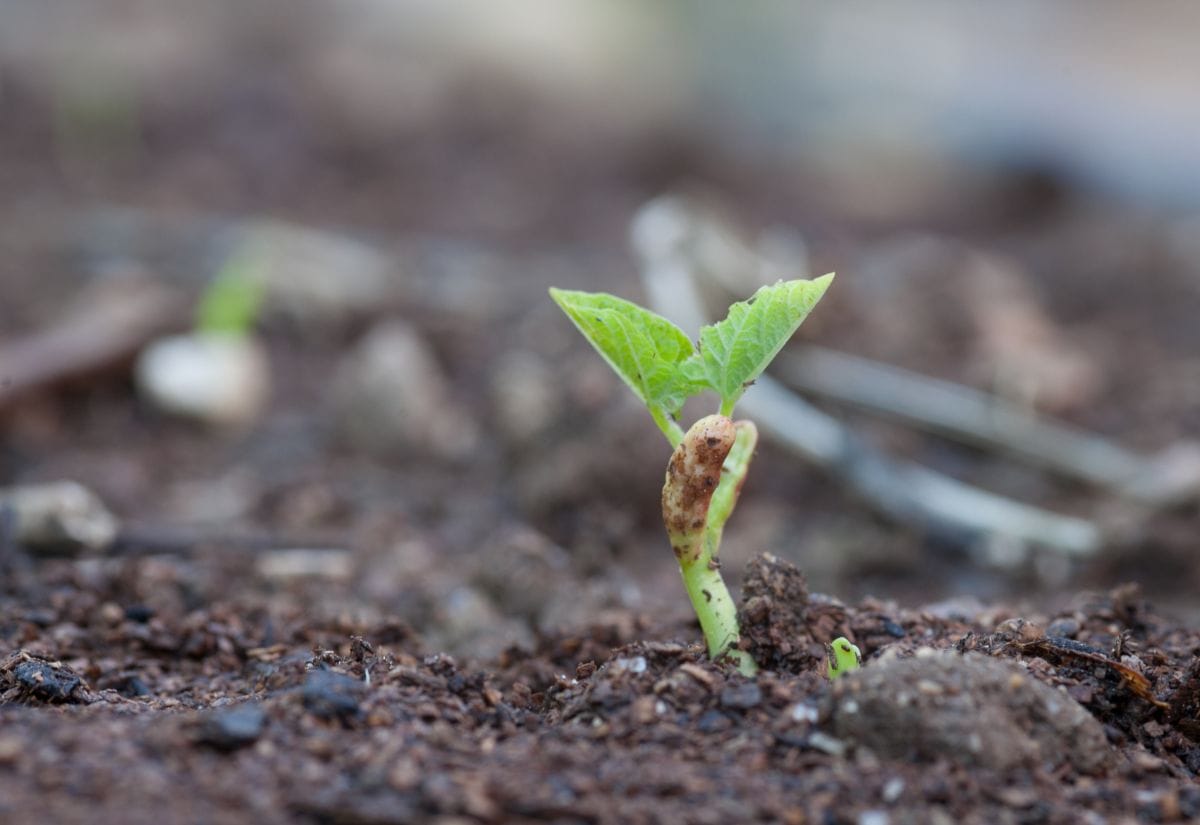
[989,422]
[958,412]
[157,539]
[99,334]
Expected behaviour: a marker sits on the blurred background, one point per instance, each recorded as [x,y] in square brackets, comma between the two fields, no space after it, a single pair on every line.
[406,425]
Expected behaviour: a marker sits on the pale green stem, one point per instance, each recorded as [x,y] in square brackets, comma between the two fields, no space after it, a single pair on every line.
[668,425]
[717,613]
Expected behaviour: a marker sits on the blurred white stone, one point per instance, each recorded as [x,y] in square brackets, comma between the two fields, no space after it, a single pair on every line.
[390,396]
[225,499]
[634,664]
[221,380]
[57,517]
[301,562]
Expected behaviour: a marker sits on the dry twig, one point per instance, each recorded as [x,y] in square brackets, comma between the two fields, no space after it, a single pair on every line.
[97,335]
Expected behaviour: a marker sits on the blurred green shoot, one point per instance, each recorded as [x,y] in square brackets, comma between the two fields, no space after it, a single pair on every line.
[232,302]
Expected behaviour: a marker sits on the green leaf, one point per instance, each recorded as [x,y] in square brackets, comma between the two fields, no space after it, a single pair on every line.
[735,351]
[645,349]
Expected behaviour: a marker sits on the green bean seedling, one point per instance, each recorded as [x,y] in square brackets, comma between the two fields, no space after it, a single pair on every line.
[706,471]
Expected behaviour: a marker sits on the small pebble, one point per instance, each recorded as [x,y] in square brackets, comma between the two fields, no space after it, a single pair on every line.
[827,744]
[232,728]
[139,613]
[133,686]
[743,697]
[713,721]
[110,614]
[331,695]
[219,380]
[635,664]
[802,712]
[45,681]
[331,564]
[58,518]
[1066,628]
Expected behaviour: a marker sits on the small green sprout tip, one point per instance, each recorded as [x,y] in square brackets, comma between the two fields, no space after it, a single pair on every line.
[843,657]
[704,477]
[231,303]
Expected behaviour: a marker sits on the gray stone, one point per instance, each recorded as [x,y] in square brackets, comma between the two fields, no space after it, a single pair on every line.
[232,728]
[969,709]
[59,517]
[219,380]
[391,397]
[332,695]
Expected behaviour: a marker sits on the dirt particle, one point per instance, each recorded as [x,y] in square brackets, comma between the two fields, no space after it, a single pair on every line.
[139,613]
[698,673]
[742,697]
[645,710]
[132,686]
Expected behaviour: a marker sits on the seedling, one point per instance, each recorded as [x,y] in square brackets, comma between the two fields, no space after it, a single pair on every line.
[843,657]
[708,466]
[231,303]
[219,373]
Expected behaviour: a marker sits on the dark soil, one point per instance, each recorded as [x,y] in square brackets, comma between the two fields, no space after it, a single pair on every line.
[224,715]
[293,627]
